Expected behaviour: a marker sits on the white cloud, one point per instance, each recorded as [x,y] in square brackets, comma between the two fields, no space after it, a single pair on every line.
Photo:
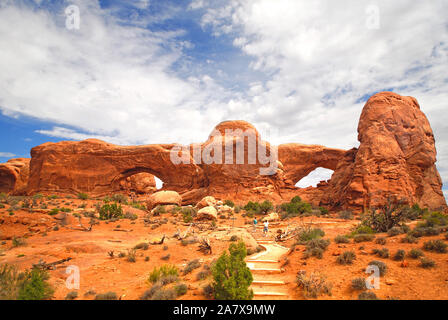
[311,61]
[7,155]
[314,177]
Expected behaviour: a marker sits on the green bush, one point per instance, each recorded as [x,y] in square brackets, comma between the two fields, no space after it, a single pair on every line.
[346,258]
[163,271]
[434,219]
[384,218]
[296,199]
[341,239]
[188,213]
[362,229]
[83,196]
[120,198]
[231,276]
[363,238]
[308,234]
[435,246]
[415,253]
[395,231]
[229,203]
[110,211]
[53,212]
[323,211]
[381,266]
[35,285]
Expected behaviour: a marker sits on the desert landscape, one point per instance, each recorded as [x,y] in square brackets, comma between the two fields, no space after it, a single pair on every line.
[84,220]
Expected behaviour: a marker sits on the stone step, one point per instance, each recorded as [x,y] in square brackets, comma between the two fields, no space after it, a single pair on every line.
[268,282]
[258,294]
[265,270]
[263,261]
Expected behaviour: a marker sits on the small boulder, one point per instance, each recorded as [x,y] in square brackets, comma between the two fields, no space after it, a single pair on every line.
[164,198]
[207,213]
[225,209]
[208,201]
[271,217]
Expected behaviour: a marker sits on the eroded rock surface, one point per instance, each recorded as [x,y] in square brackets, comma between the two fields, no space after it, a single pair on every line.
[14,175]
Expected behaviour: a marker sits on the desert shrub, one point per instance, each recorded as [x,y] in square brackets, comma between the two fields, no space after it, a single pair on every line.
[130,216]
[382,253]
[208,291]
[399,255]
[409,239]
[163,271]
[346,258]
[120,198]
[362,229]
[35,286]
[323,210]
[435,246]
[187,241]
[72,295]
[359,284]
[420,231]
[18,242]
[346,215]
[10,280]
[193,264]
[313,285]
[131,255]
[237,209]
[110,211]
[307,234]
[363,238]
[231,276]
[318,243]
[83,196]
[368,295]
[266,207]
[168,279]
[415,253]
[53,212]
[395,231]
[234,238]
[427,263]
[229,203]
[294,208]
[381,266]
[381,240]
[159,210]
[181,289]
[142,246]
[203,274]
[188,213]
[296,199]
[106,296]
[313,252]
[384,218]
[341,239]
[167,257]
[433,219]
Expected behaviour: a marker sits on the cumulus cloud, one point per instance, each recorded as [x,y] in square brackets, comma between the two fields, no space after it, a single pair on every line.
[7,155]
[311,66]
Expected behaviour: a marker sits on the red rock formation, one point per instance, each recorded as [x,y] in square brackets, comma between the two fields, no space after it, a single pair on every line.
[396,158]
[14,176]
[97,167]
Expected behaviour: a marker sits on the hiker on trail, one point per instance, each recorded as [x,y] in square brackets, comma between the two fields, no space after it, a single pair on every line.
[266,228]
[255,224]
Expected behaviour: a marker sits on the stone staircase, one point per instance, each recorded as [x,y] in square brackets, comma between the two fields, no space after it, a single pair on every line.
[265,268]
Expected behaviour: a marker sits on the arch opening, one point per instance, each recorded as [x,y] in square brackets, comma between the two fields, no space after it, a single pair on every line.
[315,177]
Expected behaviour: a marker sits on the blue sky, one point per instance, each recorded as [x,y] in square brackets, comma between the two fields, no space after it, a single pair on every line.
[156,71]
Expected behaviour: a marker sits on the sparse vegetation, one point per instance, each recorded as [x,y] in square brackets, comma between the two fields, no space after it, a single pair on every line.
[415,253]
[435,246]
[231,276]
[363,238]
[193,264]
[163,271]
[107,296]
[110,211]
[346,215]
[83,196]
[341,239]
[229,203]
[308,234]
[346,258]
[72,295]
[381,241]
[427,263]
[382,253]
[381,266]
[359,284]
[399,255]
[368,295]
[313,285]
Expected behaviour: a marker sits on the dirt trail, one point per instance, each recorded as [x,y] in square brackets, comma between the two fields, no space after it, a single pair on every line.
[266,270]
